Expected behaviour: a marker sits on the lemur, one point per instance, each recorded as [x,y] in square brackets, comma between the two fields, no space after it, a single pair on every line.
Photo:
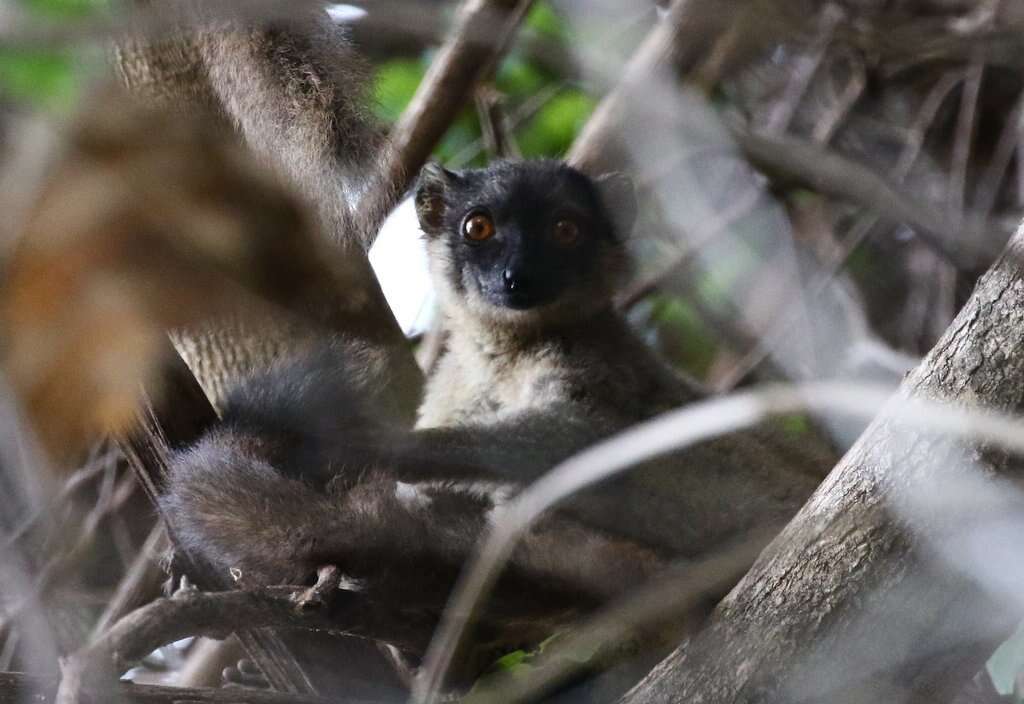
[539,364]
[306,468]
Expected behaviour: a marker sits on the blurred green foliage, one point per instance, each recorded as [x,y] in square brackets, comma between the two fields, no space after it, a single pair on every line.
[66,9]
[681,334]
[544,109]
[49,79]
[547,131]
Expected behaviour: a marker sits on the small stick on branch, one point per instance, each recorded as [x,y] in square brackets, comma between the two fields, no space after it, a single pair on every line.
[497,138]
[190,612]
[956,196]
[1008,143]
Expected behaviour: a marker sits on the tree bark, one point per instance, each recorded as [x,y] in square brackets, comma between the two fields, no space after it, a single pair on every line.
[877,590]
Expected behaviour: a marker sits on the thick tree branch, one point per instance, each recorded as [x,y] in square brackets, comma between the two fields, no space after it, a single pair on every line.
[484,31]
[858,599]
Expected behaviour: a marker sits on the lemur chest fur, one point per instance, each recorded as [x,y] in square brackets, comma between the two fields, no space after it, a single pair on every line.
[473,387]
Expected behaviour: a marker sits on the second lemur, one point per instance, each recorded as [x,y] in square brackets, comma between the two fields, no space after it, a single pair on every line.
[539,364]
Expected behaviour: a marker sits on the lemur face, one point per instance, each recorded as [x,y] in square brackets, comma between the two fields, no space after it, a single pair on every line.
[537,237]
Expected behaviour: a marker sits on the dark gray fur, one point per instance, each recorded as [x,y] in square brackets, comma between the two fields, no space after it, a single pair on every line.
[302,471]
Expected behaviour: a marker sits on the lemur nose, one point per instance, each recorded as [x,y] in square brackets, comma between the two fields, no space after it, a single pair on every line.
[514,280]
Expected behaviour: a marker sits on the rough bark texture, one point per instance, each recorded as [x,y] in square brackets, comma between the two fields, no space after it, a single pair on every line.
[870,594]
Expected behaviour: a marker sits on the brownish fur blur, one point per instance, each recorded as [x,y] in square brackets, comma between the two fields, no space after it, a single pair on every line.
[147,222]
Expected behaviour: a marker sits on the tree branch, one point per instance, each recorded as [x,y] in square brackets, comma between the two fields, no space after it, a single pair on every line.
[482,35]
[859,597]
[827,172]
[678,42]
[18,688]
[217,615]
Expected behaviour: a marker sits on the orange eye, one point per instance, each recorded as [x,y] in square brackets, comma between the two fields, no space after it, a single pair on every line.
[566,233]
[478,228]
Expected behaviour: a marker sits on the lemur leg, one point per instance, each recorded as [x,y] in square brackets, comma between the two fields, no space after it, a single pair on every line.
[404,543]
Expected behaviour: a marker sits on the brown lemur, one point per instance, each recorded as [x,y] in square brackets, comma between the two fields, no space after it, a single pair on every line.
[312,464]
[539,364]
[304,472]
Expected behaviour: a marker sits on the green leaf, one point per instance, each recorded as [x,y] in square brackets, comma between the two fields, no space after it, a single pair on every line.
[463,132]
[794,425]
[676,319]
[552,130]
[67,9]
[394,85]
[518,78]
[46,79]
[542,19]
[717,285]
[511,661]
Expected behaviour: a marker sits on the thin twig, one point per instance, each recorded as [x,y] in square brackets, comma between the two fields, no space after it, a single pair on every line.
[678,41]
[533,105]
[829,124]
[803,71]
[789,316]
[956,196]
[829,173]
[925,119]
[707,234]
[494,125]
[95,465]
[908,157]
[1009,140]
[140,583]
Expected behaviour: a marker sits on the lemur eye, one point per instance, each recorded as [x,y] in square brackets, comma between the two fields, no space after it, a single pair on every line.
[566,233]
[478,228]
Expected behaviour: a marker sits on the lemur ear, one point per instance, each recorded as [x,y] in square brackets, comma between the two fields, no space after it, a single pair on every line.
[430,201]
[619,199]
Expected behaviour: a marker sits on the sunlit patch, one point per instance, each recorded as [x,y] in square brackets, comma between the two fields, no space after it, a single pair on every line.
[343,13]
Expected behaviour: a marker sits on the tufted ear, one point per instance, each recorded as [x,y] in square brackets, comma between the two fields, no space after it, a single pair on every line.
[434,182]
[619,199]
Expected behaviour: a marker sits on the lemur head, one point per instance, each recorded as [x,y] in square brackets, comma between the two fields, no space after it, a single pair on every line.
[528,243]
